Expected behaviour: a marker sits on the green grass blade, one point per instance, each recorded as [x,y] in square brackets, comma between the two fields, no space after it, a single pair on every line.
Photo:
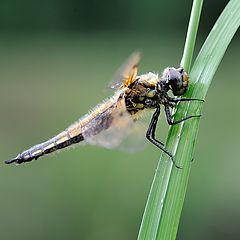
[191,35]
[166,197]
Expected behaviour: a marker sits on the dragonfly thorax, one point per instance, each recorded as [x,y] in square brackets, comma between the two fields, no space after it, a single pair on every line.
[142,93]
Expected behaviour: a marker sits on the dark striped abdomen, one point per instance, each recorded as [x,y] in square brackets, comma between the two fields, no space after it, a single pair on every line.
[62,140]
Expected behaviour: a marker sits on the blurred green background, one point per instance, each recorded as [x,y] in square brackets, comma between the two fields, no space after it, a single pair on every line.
[56,57]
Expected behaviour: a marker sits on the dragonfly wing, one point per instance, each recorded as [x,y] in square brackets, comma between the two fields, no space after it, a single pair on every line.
[127,72]
[135,139]
[110,127]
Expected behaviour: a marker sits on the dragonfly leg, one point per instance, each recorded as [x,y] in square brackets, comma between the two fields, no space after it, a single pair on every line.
[152,127]
[176,100]
[150,135]
[170,119]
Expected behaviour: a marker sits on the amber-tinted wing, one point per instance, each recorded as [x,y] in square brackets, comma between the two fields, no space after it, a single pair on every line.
[127,72]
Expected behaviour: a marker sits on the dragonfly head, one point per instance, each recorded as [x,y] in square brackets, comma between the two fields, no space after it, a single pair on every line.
[175,79]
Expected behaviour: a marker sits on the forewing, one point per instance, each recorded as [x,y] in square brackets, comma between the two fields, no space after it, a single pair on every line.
[127,72]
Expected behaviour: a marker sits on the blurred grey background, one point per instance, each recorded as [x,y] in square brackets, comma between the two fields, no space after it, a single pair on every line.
[56,57]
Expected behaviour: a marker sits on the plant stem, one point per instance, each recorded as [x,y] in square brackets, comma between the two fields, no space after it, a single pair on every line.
[191,35]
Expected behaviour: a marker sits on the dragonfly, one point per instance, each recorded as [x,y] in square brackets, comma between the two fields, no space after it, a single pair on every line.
[109,123]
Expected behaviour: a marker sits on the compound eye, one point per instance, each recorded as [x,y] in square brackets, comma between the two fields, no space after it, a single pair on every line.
[182,87]
[178,81]
[174,75]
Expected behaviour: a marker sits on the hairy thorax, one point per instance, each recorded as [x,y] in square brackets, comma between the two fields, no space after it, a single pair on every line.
[142,93]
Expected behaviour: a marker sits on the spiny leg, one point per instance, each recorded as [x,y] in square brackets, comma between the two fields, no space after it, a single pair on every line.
[152,127]
[150,135]
[176,100]
[171,121]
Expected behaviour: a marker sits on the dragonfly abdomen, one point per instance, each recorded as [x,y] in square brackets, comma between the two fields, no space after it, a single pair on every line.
[60,141]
